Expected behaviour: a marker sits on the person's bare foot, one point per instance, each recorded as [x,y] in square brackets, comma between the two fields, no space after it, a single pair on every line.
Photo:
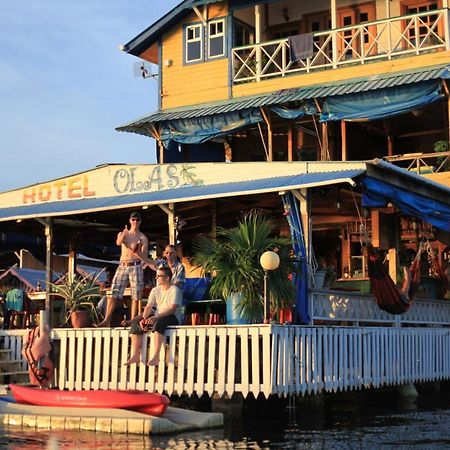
[135,359]
[153,362]
[103,324]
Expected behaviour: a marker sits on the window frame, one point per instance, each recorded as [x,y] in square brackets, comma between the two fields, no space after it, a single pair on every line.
[223,35]
[187,41]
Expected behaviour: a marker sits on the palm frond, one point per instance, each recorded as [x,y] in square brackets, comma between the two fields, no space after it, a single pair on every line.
[233,262]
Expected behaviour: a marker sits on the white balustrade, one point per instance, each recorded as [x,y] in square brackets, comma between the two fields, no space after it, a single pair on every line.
[339,306]
[378,40]
[268,359]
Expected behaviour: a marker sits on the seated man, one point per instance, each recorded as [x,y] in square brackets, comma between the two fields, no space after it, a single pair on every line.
[167,298]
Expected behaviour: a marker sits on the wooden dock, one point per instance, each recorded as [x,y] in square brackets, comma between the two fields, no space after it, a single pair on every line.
[106,420]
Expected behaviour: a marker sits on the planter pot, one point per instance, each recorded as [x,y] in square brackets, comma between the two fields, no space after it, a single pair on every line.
[81,319]
[233,313]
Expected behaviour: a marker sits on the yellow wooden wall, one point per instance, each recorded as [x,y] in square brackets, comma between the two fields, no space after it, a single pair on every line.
[208,81]
[196,83]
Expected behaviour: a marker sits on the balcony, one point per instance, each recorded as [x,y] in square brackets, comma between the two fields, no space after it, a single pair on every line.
[379,40]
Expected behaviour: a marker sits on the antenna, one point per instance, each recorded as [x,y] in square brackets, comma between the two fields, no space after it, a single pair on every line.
[144,70]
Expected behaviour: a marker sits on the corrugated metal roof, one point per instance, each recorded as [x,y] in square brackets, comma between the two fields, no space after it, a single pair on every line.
[374,82]
[180,194]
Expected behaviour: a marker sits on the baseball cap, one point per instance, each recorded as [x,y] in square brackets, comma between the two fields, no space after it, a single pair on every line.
[135,215]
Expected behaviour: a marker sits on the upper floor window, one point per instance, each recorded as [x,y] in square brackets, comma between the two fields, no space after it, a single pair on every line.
[194,43]
[216,38]
[204,42]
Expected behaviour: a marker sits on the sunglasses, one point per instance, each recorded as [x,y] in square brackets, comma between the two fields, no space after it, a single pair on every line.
[161,276]
[135,220]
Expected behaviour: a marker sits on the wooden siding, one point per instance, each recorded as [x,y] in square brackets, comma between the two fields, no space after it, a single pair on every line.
[184,85]
[327,76]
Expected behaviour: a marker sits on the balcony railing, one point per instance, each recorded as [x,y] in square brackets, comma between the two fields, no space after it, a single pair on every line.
[338,307]
[267,359]
[378,40]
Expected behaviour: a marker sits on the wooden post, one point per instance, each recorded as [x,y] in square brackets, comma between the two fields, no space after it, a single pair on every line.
[266,118]
[290,154]
[344,140]
[324,149]
[393,255]
[258,41]
[48,272]
[390,145]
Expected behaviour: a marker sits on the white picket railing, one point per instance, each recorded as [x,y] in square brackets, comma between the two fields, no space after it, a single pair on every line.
[378,40]
[338,306]
[268,359]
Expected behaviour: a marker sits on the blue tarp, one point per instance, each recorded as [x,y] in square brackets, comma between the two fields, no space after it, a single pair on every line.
[378,194]
[295,113]
[382,103]
[300,277]
[198,130]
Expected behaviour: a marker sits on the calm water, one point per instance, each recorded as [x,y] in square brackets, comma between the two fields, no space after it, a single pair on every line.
[364,421]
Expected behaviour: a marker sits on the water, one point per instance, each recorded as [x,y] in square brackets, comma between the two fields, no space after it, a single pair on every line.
[361,421]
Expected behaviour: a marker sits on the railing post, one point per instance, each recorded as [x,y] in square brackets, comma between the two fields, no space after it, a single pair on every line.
[447,28]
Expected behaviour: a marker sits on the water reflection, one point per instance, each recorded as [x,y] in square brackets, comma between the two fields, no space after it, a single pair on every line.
[362,421]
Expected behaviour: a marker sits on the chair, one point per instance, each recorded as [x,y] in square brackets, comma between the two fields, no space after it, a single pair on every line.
[18,306]
[197,309]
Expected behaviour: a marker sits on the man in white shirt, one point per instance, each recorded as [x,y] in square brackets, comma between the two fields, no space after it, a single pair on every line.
[168,299]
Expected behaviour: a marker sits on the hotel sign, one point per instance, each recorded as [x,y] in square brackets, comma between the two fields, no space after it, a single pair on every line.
[121,179]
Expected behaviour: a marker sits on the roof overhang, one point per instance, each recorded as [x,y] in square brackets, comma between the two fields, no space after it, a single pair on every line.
[114,187]
[146,124]
[150,35]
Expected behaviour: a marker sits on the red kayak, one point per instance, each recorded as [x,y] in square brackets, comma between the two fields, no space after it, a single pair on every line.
[133,400]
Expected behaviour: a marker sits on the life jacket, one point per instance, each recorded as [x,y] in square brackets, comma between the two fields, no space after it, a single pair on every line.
[37,351]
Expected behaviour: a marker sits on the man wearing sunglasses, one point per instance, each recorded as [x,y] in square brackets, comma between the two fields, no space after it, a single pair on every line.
[162,310]
[133,243]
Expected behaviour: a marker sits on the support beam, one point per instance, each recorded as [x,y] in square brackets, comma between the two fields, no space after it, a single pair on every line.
[334,45]
[390,144]
[290,147]
[258,41]
[48,316]
[324,153]
[344,140]
[170,211]
[269,135]
[199,15]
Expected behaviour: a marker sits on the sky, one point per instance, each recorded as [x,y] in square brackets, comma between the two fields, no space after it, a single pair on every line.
[65,86]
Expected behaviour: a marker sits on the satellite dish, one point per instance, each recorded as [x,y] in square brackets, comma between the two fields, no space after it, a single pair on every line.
[142,69]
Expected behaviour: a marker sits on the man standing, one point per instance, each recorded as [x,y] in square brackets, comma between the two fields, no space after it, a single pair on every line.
[167,298]
[132,242]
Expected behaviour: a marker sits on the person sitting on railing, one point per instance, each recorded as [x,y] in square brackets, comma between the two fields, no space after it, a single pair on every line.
[168,299]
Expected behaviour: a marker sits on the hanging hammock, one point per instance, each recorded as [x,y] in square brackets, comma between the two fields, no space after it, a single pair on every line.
[387,295]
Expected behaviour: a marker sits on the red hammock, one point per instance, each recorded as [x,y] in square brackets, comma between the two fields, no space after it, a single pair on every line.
[388,297]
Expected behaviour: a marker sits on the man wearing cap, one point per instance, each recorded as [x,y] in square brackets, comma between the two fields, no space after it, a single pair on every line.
[133,243]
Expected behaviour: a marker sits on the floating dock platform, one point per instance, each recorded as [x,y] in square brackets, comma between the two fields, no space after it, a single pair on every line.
[106,420]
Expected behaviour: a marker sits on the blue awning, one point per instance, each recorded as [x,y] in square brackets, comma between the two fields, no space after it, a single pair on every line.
[179,194]
[382,103]
[413,194]
[366,98]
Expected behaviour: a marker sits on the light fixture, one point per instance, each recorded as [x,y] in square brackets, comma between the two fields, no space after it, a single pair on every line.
[269,261]
[285,13]
[338,203]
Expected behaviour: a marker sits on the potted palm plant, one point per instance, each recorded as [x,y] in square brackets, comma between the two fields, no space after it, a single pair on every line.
[80,295]
[232,260]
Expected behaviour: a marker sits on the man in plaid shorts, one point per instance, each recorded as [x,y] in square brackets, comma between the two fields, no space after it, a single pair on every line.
[133,243]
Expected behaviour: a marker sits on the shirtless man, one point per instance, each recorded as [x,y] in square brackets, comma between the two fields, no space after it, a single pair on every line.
[133,243]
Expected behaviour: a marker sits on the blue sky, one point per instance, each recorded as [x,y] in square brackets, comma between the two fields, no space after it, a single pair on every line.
[65,86]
